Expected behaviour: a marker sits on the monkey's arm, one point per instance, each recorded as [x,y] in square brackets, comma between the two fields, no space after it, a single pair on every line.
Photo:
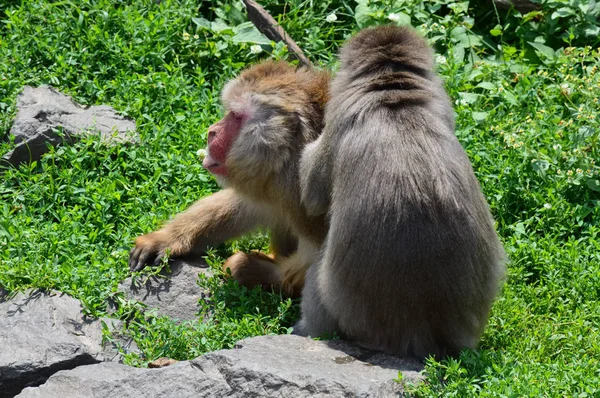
[315,177]
[211,220]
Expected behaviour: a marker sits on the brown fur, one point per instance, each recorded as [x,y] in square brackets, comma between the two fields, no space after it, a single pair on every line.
[287,106]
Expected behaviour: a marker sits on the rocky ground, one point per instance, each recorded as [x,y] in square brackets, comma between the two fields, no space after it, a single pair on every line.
[49,349]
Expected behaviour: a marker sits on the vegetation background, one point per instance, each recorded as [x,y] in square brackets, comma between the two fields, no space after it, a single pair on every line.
[526,88]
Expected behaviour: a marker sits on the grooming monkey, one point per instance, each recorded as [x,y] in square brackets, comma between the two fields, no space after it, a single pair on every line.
[272,111]
[411,262]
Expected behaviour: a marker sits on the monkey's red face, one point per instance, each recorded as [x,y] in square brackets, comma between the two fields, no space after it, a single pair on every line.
[220,138]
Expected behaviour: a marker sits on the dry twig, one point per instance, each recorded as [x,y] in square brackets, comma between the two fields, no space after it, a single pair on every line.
[268,26]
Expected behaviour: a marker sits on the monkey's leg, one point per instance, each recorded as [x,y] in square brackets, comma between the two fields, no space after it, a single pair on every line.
[285,275]
[211,220]
[316,319]
[295,267]
[294,271]
[278,271]
[254,269]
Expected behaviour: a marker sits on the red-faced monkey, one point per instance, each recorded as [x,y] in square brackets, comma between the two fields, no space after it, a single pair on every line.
[273,111]
[411,262]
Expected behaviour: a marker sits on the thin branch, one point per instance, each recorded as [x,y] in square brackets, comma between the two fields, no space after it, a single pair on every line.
[268,26]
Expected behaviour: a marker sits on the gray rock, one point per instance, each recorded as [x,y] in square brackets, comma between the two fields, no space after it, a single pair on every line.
[294,366]
[42,333]
[42,111]
[267,366]
[174,294]
[119,342]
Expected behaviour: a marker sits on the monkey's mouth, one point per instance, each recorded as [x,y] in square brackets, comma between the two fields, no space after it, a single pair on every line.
[213,166]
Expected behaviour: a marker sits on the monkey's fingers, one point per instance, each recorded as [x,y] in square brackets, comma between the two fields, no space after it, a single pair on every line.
[159,258]
[139,257]
[141,261]
[133,256]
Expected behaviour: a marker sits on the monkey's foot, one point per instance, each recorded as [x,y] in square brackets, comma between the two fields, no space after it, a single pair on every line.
[299,329]
[293,277]
[254,269]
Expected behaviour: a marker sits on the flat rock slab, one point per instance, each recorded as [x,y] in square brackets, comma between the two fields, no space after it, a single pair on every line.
[42,111]
[42,333]
[267,366]
[174,293]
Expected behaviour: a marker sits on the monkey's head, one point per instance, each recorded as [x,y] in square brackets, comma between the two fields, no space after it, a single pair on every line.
[386,46]
[271,111]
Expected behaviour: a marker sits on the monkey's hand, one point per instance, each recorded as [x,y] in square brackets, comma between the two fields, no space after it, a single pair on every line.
[151,248]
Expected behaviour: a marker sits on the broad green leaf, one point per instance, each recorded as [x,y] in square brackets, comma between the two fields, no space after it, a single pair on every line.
[474,74]
[247,33]
[403,19]
[362,13]
[479,116]
[469,98]
[468,22]
[458,53]
[201,22]
[458,32]
[592,30]
[562,12]
[459,7]
[470,41]
[540,166]
[519,229]
[517,68]
[584,7]
[582,135]
[435,39]
[219,26]
[510,97]
[594,185]
[487,86]
[543,49]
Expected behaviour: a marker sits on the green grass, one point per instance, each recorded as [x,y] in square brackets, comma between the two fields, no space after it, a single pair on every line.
[526,92]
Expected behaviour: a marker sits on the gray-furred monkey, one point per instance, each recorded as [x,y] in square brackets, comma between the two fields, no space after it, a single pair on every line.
[411,262]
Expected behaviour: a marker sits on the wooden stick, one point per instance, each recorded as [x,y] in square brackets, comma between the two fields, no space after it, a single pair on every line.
[268,26]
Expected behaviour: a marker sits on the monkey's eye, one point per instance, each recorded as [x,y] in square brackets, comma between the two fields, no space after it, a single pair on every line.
[238,117]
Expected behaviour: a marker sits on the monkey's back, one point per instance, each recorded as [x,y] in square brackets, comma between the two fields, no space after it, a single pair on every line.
[407,218]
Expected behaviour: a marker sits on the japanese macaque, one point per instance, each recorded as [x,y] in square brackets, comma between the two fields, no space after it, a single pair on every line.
[411,262]
[272,111]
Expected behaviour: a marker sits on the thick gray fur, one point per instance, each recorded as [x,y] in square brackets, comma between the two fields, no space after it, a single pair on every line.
[411,263]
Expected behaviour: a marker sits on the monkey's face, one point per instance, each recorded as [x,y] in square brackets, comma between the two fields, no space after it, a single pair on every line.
[253,141]
[221,136]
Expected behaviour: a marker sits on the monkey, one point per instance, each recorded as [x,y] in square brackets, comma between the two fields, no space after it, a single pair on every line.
[272,110]
[411,262]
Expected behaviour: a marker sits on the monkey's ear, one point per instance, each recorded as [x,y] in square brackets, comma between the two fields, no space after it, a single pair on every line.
[315,178]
